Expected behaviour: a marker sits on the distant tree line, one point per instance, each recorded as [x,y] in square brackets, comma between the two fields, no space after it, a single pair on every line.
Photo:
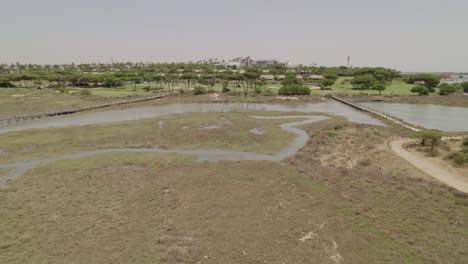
[167,76]
[427,83]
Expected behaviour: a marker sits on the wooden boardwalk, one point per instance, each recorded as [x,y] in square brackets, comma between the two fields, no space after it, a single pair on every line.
[378,113]
[81,109]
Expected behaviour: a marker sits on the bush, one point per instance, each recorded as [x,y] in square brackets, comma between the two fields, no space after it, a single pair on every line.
[363,82]
[226,90]
[420,90]
[291,79]
[85,92]
[465,142]
[258,90]
[199,90]
[446,89]
[460,157]
[432,135]
[294,90]
[464,86]
[430,80]
[268,92]
[345,81]
[325,84]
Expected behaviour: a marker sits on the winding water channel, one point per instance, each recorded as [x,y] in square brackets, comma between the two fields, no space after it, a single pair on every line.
[430,116]
[19,168]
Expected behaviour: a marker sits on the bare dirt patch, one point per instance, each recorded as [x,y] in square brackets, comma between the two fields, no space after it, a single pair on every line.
[258,131]
[218,124]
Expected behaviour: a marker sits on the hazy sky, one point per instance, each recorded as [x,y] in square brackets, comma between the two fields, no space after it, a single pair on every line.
[410,35]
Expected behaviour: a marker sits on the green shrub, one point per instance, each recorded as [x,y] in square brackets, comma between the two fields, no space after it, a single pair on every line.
[460,157]
[446,89]
[432,135]
[85,92]
[258,90]
[294,90]
[420,90]
[325,84]
[465,142]
[268,92]
[199,90]
[345,81]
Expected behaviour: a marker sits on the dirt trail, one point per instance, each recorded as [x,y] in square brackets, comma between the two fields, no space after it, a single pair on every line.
[432,169]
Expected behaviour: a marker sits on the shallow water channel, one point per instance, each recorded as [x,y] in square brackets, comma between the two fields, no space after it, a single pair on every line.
[19,168]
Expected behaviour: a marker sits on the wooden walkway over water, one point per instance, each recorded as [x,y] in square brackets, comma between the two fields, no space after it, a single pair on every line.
[378,113]
[81,109]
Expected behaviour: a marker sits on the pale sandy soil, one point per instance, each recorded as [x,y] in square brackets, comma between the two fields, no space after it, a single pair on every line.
[433,167]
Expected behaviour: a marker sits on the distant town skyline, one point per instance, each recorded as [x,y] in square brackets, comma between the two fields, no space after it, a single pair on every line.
[407,35]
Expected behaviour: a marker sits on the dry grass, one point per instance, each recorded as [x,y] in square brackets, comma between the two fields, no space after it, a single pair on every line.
[175,132]
[415,212]
[145,208]
[3,172]
[341,199]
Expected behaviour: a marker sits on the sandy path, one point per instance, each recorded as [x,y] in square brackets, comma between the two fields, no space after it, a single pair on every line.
[432,169]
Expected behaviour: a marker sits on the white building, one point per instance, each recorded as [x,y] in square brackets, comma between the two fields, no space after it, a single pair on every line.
[248,61]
